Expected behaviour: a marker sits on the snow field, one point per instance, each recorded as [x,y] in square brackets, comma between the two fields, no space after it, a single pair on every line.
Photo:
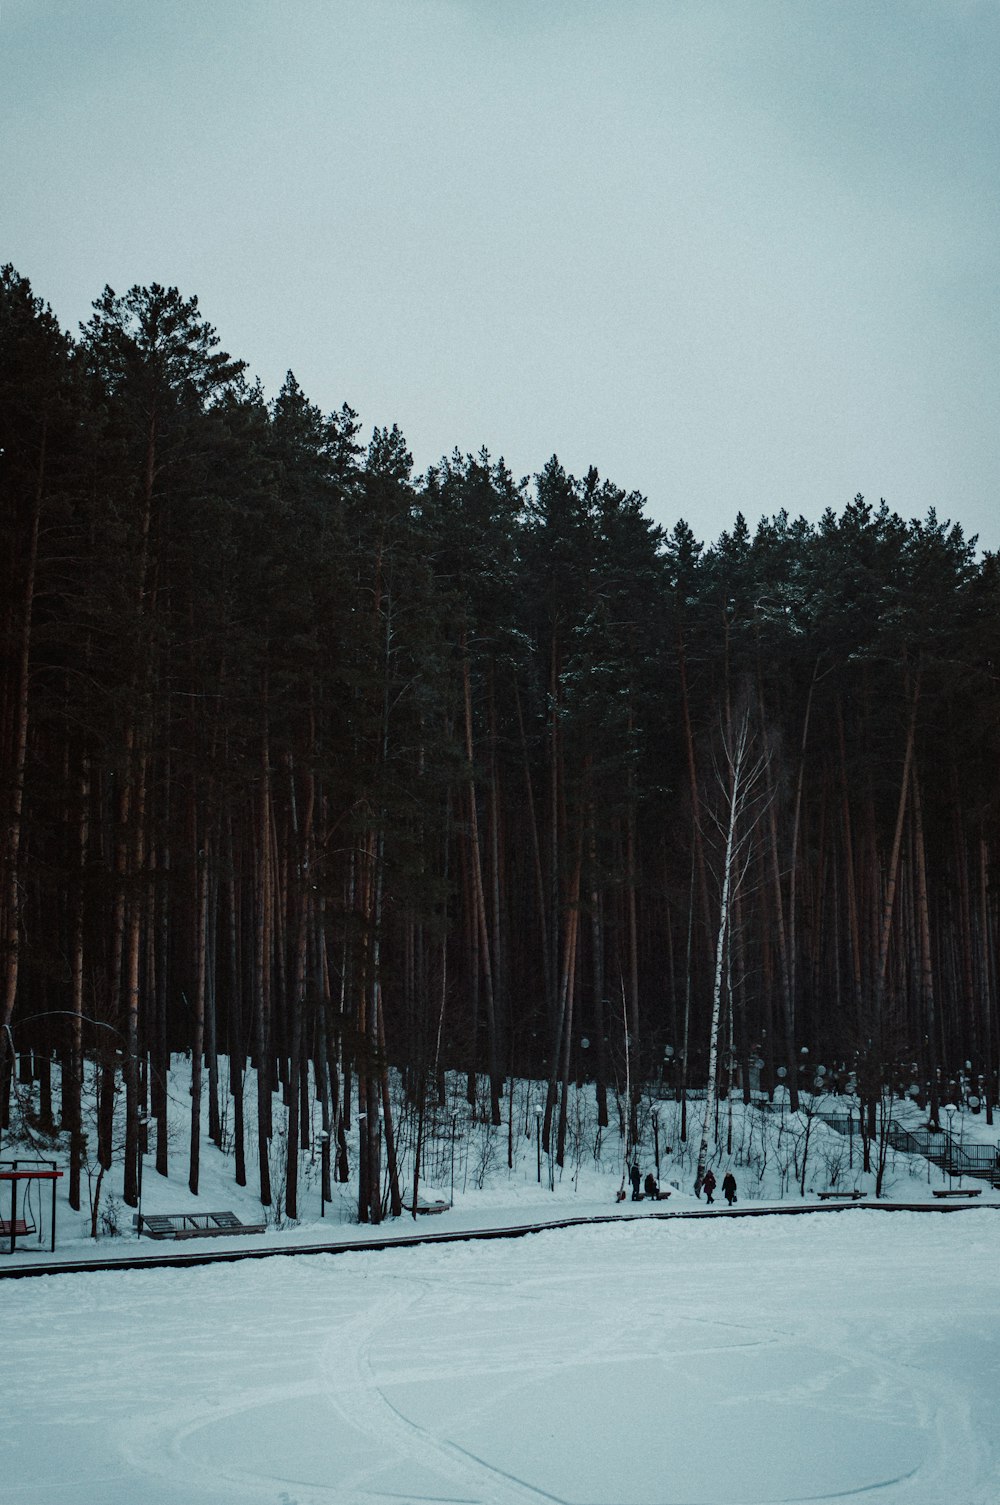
[715,1362]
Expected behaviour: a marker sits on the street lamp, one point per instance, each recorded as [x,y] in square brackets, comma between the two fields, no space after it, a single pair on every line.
[538,1138]
[324,1168]
[454,1121]
[781,1073]
[140,1141]
[656,1137]
[949,1109]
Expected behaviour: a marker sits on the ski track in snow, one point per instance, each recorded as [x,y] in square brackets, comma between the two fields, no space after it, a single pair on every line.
[860,1361]
[475,1479]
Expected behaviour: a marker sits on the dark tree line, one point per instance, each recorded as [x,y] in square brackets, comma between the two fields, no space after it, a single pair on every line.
[317,765]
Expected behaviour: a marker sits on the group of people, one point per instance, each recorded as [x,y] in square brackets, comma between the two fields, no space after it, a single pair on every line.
[707,1184]
[650,1187]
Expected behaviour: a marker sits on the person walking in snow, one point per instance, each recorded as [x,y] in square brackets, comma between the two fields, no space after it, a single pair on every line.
[708,1185]
[634,1178]
[729,1187]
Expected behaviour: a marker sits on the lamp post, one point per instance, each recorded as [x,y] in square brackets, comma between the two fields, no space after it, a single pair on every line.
[949,1109]
[140,1143]
[850,1089]
[454,1121]
[538,1139]
[656,1137]
[324,1168]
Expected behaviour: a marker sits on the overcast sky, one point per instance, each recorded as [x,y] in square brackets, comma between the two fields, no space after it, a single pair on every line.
[738,255]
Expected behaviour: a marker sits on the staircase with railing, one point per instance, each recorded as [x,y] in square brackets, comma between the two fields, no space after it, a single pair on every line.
[952,1156]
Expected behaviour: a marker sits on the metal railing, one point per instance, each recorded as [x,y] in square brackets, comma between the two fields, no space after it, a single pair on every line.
[942,1149]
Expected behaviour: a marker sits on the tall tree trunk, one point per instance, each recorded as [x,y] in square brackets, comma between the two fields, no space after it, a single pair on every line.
[136,912]
[261,976]
[850,885]
[235,1029]
[75,1104]
[479,900]
[631,909]
[12,834]
[303,839]
[536,854]
[893,872]
[198,1031]
[564,1019]
[598,967]
[743,772]
[926,967]
[987,974]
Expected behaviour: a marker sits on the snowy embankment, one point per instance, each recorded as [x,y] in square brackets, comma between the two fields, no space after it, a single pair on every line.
[778,1158]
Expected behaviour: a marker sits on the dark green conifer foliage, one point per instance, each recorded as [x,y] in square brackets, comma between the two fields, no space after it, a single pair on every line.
[309,763]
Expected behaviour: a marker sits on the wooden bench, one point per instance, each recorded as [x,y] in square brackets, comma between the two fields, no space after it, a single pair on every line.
[840,1196]
[21,1228]
[957,1191]
[193,1224]
[427,1207]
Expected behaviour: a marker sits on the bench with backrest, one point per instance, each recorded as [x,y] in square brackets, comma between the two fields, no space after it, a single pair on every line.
[424,1206]
[193,1224]
[957,1191]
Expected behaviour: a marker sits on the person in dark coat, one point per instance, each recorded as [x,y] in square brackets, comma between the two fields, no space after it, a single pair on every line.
[708,1185]
[635,1178]
[729,1187]
[650,1187]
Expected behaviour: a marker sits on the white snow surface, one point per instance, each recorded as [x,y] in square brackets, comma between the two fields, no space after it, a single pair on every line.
[702,1362]
[851,1353]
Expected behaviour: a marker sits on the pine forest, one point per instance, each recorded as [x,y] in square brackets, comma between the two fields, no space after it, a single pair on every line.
[355,776]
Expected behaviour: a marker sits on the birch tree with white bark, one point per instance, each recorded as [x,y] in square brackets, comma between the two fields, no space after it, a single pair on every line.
[740,764]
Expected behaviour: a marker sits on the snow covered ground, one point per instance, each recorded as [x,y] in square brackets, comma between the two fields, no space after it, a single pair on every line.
[715,1360]
[465,1165]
